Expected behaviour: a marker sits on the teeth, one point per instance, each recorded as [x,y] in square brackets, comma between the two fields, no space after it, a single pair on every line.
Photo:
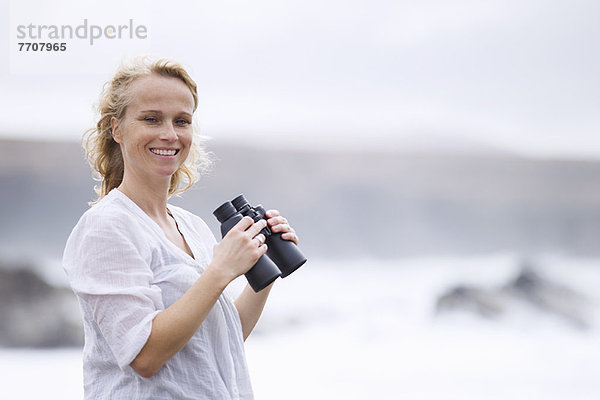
[164,152]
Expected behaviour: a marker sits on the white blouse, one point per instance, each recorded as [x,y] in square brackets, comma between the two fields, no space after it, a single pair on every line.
[124,272]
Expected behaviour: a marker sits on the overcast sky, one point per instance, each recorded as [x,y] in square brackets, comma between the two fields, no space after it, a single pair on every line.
[520,76]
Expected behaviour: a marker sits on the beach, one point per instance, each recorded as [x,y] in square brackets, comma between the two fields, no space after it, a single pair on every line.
[368,329]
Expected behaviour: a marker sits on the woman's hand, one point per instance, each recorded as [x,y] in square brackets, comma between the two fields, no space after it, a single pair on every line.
[279,224]
[241,248]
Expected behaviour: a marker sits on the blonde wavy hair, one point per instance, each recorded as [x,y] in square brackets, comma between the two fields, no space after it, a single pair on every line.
[104,154]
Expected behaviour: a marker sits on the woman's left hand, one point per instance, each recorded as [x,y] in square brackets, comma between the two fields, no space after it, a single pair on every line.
[279,224]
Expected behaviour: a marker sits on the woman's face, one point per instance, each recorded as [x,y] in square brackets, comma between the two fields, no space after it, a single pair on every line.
[155,133]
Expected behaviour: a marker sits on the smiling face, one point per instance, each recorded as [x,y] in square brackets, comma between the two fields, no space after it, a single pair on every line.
[155,132]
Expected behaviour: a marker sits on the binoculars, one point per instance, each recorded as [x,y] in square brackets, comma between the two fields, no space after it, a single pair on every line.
[282,258]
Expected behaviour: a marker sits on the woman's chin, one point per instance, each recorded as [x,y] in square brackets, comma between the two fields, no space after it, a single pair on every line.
[165,173]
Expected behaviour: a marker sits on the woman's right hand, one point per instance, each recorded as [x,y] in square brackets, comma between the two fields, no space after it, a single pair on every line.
[240,249]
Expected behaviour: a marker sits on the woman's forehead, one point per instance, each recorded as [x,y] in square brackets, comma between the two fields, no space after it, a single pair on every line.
[160,91]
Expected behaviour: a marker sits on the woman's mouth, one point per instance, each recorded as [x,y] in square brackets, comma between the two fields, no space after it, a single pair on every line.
[165,152]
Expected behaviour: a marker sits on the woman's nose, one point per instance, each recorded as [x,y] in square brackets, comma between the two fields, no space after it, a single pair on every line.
[168,133]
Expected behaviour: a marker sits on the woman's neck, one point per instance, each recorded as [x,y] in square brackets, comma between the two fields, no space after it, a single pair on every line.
[151,197]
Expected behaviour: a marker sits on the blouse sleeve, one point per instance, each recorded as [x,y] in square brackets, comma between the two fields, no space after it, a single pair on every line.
[108,266]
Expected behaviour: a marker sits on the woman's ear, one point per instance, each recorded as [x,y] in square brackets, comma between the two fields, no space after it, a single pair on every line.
[116,131]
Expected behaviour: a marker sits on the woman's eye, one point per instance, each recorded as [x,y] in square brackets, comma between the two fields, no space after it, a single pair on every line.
[150,119]
[182,122]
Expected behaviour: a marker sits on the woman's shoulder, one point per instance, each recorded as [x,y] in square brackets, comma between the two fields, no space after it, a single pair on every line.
[110,214]
[106,225]
[111,208]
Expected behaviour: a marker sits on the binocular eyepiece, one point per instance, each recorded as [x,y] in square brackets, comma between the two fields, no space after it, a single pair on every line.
[283,257]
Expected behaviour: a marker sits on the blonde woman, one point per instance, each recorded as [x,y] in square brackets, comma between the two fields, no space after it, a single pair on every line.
[150,277]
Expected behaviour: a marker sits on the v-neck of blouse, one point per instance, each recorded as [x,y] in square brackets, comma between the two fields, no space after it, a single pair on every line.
[182,230]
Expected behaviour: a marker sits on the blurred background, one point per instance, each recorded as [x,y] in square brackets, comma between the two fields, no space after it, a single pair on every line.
[440,161]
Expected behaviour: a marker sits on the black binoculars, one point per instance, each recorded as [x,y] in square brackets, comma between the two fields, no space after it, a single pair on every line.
[283,257]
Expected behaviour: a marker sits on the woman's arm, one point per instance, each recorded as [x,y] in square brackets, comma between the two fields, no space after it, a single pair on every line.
[251,304]
[173,327]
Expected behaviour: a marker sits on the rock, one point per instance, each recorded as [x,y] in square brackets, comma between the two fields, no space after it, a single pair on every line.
[527,288]
[36,314]
[483,303]
[558,300]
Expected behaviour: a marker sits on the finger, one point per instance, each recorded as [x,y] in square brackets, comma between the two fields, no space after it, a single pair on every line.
[277,220]
[272,213]
[261,239]
[282,228]
[291,236]
[263,249]
[257,227]
[244,224]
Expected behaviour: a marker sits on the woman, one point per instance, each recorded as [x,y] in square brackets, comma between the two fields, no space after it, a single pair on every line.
[149,276]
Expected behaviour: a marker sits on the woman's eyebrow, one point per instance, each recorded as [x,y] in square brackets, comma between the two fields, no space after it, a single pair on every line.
[151,111]
[185,113]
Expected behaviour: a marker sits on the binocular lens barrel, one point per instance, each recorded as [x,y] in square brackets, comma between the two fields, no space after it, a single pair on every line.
[284,254]
[239,202]
[224,212]
[262,274]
